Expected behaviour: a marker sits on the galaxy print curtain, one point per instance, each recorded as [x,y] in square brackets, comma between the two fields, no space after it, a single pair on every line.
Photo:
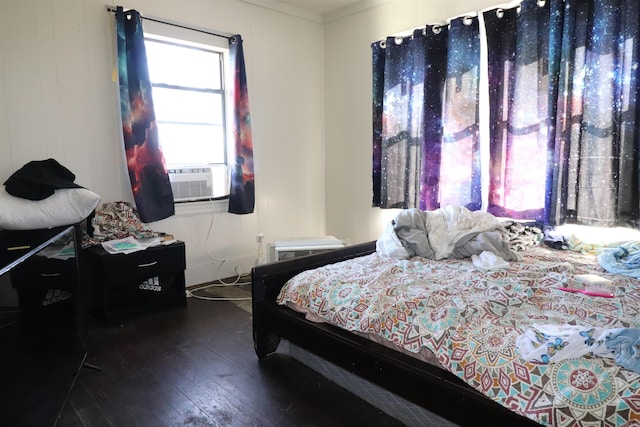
[401,134]
[597,135]
[460,157]
[561,139]
[242,196]
[520,109]
[145,161]
[411,144]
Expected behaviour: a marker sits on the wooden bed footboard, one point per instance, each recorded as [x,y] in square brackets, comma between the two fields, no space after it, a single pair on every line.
[268,279]
[425,385]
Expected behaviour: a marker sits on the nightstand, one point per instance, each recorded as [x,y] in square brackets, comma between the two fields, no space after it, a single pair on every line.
[124,286]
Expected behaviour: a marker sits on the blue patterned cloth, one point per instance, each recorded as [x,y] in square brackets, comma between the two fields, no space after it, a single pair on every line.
[625,345]
[625,259]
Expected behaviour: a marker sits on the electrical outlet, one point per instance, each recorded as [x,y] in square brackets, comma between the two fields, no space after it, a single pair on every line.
[261,249]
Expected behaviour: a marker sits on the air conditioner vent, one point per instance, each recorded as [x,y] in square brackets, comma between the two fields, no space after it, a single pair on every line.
[198,182]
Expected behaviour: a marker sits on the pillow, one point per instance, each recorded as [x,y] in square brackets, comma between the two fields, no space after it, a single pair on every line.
[587,238]
[65,207]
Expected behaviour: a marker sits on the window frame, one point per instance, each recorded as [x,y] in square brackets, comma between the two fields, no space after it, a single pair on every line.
[179,36]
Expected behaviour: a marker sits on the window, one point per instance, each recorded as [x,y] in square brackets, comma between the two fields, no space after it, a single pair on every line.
[188,81]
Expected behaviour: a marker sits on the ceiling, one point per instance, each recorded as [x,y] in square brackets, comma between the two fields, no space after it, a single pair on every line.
[320,7]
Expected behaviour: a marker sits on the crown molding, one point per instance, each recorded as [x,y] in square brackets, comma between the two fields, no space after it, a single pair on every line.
[360,6]
[287,9]
[314,17]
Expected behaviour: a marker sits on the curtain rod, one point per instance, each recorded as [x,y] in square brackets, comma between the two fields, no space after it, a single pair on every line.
[175,24]
[511,4]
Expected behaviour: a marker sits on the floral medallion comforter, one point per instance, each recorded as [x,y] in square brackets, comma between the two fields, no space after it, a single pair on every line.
[471,319]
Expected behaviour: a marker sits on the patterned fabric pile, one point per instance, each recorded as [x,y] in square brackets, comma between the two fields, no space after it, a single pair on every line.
[117,220]
[522,237]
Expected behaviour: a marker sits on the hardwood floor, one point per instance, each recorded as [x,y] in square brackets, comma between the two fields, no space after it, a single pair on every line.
[196,367]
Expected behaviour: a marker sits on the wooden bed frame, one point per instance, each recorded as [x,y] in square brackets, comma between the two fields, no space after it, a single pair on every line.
[426,385]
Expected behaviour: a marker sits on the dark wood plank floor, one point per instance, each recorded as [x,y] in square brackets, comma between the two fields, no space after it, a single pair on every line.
[196,367]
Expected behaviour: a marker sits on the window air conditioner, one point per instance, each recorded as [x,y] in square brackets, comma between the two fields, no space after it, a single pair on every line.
[198,182]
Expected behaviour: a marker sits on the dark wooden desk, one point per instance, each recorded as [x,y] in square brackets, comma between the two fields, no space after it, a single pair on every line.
[40,354]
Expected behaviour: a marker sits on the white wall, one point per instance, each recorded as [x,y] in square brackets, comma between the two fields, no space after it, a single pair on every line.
[310,94]
[348,37]
[57,99]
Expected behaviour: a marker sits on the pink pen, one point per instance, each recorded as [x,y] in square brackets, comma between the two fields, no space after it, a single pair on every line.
[589,293]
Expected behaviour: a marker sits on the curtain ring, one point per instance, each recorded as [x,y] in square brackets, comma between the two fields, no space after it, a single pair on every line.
[383,44]
[436,29]
[519,9]
[541,3]
[232,40]
[424,31]
[467,20]
[398,41]
[499,13]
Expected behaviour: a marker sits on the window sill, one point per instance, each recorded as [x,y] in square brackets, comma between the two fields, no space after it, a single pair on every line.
[202,207]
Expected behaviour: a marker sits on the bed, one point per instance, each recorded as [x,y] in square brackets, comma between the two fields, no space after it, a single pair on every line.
[445,336]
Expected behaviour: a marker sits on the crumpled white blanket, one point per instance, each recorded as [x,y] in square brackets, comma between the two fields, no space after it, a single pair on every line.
[553,343]
[452,231]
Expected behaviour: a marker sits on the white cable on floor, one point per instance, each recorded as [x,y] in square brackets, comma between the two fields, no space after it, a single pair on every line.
[220,282]
[211,285]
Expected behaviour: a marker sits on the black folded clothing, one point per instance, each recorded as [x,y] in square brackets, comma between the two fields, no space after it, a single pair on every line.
[39,179]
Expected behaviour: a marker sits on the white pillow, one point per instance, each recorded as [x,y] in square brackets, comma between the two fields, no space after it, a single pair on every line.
[65,207]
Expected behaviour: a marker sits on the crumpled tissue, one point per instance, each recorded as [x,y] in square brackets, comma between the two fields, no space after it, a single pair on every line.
[488,261]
